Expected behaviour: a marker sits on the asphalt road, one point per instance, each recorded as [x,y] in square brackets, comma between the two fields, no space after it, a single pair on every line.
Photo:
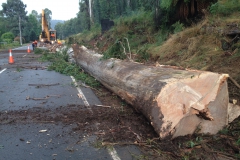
[27,85]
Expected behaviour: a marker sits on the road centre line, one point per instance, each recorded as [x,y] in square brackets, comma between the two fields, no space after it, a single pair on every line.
[111,151]
[81,94]
[3,70]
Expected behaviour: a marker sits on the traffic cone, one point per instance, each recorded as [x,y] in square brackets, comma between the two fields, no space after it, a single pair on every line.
[11,60]
[28,50]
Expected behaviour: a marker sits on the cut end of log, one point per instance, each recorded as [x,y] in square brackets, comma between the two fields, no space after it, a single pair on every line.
[189,104]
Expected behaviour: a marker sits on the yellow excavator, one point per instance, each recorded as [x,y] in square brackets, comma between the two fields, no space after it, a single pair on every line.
[47,36]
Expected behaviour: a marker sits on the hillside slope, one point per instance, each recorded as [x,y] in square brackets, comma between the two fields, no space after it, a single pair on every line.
[205,45]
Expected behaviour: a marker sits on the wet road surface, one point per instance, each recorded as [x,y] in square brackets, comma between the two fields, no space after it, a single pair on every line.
[27,87]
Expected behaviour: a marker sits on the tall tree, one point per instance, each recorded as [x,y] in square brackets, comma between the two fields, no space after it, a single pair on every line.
[96,11]
[4,25]
[35,14]
[59,28]
[34,24]
[84,14]
[14,11]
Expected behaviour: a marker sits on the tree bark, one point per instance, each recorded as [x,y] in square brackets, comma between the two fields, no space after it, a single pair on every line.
[177,102]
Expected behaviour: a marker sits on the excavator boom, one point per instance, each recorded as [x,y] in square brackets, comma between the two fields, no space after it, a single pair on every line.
[47,36]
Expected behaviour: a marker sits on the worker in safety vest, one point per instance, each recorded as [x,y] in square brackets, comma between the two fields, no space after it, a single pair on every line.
[34,44]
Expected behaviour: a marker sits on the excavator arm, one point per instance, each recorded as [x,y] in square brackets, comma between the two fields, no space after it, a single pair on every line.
[47,36]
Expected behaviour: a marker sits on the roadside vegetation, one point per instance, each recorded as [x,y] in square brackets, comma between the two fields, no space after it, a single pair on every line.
[7,41]
[4,46]
[60,63]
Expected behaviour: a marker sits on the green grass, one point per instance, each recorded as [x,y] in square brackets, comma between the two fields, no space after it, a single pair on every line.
[40,51]
[9,46]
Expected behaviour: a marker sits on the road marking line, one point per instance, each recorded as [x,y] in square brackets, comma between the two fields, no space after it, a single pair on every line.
[81,94]
[113,153]
[24,55]
[3,70]
[111,150]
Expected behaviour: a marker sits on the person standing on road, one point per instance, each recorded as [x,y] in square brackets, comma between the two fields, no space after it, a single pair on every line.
[34,44]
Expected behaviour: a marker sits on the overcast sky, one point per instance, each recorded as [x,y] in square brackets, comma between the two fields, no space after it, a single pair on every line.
[61,9]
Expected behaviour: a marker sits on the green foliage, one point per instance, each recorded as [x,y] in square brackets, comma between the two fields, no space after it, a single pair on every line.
[83,15]
[35,27]
[32,36]
[195,142]
[224,131]
[161,36]
[60,64]
[68,28]
[191,144]
[178,27]
[136,18]
[59,28]
[166,4]
[142,53]
[9,45]
[8,40]
[115,51]
[8,36]
[35,14]
[12,11]
[40,51]
[14,8]
[85,36]
[225,8]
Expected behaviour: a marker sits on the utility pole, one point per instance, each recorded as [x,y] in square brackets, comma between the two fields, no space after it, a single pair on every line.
[20,30]
[90,11]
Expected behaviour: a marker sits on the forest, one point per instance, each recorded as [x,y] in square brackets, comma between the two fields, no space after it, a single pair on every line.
[14,16]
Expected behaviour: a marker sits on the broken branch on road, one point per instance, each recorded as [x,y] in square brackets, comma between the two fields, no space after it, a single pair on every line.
[43,85]
[103,106]
[44,98]
[33,67]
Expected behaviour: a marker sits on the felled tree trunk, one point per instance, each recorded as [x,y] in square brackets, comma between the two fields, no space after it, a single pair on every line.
[176,102]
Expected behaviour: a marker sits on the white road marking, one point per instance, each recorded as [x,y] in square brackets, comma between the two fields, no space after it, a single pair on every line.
[113,153]
[81,94]
[3,70]
[111,150]
[25,55]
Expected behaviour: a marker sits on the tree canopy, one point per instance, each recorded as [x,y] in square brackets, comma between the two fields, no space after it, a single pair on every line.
[91,12]
[14,8]
[14,11]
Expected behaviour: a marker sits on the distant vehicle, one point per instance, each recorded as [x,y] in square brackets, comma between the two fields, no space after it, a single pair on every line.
[47,36]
